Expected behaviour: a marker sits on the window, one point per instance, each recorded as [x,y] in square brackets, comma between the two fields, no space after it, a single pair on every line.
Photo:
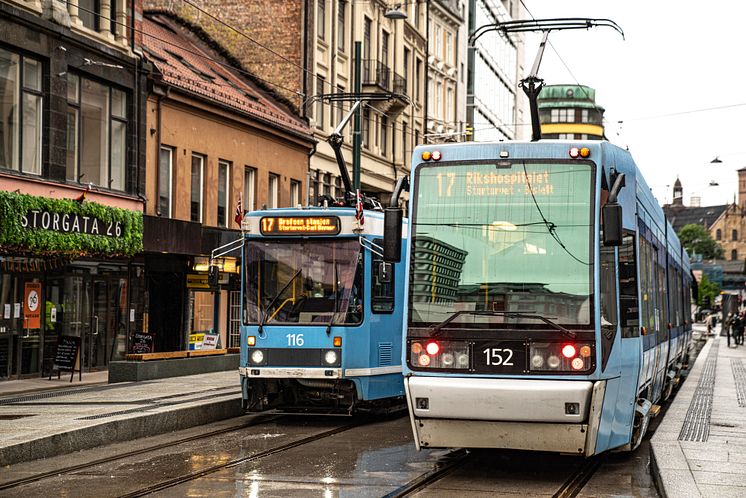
[366,48]
[382,284]
[404,140]
[734,254]
[319,102]
[734,235]
[718,234]
[165,178]
[449,48]
[96,133]
[273,192]
[628,303]
[417,71]
[89,12]
[198,166]
[406,71]
[249,188]
[327,184]
[384,134]
[385,48]
[584,116]
[438,43]
[295,187]
[321,19]
[223,192]
[21,111]
[450,105]
[314,194]
[340,109]
[365,135]
[341,25]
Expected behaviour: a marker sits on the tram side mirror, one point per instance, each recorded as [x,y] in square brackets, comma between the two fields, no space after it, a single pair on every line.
[213,276]
[612,213]
[392,225]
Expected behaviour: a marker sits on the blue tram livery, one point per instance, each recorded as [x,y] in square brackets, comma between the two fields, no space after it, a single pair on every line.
[320,329]
[548,298]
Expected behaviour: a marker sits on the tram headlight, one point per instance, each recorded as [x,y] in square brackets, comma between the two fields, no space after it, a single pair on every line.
[556,357]
[553,362]
[448,355]
[330,357]
[257,356]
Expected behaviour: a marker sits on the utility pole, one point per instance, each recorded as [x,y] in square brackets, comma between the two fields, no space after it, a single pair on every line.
[356,124]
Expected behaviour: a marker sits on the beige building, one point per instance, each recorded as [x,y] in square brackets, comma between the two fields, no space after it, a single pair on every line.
[393,61]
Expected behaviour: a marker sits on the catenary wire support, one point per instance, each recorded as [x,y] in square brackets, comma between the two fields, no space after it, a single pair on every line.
[532,84]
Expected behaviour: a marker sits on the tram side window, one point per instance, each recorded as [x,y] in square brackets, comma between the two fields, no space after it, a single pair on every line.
[628,301]
[382,284]
[647,285]
[608,288]
[662,302]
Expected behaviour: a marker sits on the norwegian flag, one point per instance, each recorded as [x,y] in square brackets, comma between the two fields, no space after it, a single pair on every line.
[359,216]
[239,210]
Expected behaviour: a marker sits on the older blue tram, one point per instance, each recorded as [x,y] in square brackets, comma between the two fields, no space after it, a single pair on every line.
[548,298]
[320,329]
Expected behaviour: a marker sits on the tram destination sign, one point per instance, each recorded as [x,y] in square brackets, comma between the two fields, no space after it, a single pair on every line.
[70,223]
[299,225]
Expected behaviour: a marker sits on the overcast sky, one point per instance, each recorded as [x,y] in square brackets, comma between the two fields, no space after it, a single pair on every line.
[677,57]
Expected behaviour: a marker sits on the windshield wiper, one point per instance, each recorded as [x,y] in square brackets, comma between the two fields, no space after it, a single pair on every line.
[436,329]
[334,311]
[269,306]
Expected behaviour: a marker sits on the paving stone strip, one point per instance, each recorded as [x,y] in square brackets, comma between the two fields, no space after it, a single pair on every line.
[739,375]
[697,422]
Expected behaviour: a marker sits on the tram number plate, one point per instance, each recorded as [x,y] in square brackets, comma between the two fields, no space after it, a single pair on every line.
[506,357]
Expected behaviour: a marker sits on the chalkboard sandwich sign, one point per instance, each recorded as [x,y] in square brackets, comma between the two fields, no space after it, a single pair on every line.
[67,357]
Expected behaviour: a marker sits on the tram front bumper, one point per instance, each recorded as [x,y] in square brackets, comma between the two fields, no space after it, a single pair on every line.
[290,373]
[545,415]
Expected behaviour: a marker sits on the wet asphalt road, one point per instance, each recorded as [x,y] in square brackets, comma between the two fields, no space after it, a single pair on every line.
[372,459]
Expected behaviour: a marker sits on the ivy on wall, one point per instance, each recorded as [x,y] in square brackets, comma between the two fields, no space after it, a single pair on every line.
[17,239]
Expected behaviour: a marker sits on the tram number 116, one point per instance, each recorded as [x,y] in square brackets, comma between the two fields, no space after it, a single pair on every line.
[295,339]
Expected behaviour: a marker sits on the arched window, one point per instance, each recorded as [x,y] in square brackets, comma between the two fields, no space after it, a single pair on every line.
[718,234]
[734,235]
[734,254]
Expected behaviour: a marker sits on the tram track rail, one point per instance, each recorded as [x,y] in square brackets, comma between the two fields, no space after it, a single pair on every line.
[240,460]
[453,461]
[260,419]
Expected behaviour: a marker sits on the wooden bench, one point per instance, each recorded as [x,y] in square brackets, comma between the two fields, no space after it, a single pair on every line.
[206,352]
[167,355]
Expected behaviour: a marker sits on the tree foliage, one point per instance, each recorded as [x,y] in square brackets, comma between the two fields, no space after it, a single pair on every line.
[697,240]
[707,288]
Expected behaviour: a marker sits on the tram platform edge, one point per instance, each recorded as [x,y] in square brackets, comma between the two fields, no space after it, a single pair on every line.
[699,448]
[60,421]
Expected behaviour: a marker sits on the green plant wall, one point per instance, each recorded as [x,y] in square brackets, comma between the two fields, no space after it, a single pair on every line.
[15,239]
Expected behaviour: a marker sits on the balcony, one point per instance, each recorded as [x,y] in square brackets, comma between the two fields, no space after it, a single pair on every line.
[378,77]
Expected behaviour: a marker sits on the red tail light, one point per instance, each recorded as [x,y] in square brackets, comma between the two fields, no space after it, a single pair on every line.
[568,351]
[432,348]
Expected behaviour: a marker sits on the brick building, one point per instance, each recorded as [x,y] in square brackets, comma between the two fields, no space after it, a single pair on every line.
[215,136]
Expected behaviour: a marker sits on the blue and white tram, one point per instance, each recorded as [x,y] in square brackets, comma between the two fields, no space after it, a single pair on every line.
[548,298]
[321,331]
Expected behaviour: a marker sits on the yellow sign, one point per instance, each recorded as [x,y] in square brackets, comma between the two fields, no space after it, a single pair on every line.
[197,281]
[299,225]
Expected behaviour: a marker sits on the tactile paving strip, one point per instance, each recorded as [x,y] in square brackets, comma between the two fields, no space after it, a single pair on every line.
[739,375]
[697,423]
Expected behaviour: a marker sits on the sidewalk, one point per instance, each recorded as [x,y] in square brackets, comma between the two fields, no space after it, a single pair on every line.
[63,417]
[8,387]
[699,449]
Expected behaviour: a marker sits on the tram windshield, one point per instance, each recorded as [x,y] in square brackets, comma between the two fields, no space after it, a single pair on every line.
[513,238]
[303,281]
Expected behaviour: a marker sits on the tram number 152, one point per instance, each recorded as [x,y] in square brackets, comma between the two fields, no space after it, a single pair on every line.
[498,357]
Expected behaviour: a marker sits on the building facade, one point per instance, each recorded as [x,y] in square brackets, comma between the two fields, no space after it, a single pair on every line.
[71,182]
[496,108]
[215,139]
[446,71]
[570,112]
[393,61]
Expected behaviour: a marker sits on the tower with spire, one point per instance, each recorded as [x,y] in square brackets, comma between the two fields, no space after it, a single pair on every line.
[678,193]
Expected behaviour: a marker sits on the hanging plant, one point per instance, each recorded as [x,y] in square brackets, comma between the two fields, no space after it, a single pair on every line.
[118,231]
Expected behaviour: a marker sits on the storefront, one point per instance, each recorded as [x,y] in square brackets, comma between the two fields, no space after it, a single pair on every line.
[67,268]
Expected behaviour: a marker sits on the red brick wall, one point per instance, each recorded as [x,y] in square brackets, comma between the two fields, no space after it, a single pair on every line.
[276,24]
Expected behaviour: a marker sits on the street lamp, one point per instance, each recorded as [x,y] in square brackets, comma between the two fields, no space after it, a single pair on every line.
[717,160]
